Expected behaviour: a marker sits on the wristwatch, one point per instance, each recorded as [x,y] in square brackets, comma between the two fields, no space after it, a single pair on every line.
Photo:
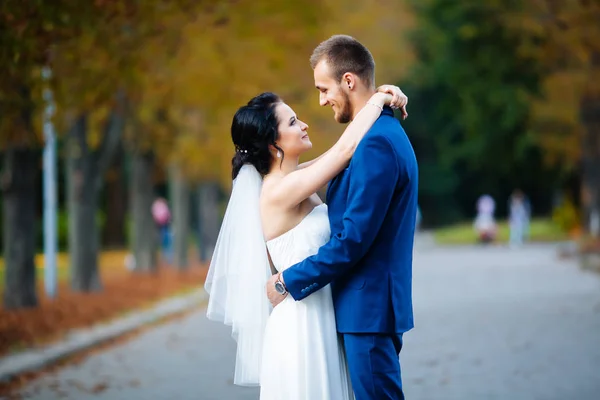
[280,286]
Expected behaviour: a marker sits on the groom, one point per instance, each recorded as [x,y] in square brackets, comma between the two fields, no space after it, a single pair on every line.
[372,212]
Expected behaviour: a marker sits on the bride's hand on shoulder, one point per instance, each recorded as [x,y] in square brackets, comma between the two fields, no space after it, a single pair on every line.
[399,99]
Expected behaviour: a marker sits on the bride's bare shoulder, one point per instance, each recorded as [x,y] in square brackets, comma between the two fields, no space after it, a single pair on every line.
[269,185]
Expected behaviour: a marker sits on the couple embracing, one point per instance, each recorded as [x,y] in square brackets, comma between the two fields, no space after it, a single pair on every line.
[338,276]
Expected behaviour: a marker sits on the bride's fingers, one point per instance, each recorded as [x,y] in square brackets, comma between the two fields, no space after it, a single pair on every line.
[403,99]
[399,99]
[404,112]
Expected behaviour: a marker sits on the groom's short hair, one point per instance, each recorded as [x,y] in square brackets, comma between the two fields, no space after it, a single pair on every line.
[344,54]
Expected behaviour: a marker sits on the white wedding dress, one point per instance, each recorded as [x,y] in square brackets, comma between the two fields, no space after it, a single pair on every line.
[302,357]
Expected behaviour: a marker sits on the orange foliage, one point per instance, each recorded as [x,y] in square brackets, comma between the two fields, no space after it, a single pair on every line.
[564,40]
[226,56]
[186,66]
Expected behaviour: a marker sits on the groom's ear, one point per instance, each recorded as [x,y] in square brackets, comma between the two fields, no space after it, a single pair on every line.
[349,80]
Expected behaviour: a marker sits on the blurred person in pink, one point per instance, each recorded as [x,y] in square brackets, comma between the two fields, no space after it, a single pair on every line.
[162,218]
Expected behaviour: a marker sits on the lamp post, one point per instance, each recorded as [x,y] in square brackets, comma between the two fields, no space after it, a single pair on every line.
[50,207]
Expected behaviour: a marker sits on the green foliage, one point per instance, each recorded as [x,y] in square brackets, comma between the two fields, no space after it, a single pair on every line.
[1,226]
[566,215]
[62,223]
[469,109]
[62,228]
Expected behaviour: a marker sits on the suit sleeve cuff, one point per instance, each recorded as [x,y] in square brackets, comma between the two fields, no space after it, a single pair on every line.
[290,287]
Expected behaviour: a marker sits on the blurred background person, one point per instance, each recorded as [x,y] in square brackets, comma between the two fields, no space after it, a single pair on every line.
[485,225]
[162,218]
[518,217]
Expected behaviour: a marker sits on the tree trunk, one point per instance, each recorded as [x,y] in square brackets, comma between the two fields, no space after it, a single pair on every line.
[85,176]
[113,234]
[144,235]
[82,205]
[591,164]
[181,217]
[18,181]
[209,218]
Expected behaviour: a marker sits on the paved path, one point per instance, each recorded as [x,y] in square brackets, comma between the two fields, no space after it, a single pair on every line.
[491,323]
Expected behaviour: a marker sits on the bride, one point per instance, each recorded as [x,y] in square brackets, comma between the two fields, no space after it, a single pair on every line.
[275,219]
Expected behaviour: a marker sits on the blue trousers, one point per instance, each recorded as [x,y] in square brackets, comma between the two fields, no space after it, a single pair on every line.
[374,365]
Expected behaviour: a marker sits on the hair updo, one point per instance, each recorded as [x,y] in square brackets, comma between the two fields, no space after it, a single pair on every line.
[253,130]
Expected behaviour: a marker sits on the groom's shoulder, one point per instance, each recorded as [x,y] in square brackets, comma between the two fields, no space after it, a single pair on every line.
[382,137]
[389,127]
[387,120]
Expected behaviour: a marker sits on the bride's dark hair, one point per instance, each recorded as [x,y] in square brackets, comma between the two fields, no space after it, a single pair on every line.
[253,130]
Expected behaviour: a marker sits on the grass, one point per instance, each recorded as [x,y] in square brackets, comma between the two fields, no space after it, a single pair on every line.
[541,230]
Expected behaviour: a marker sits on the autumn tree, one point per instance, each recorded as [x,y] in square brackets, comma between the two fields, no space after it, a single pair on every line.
[209,80]
[563,38]
[93,71]
[116,53]
[471,112]
[28,32]
[91,49]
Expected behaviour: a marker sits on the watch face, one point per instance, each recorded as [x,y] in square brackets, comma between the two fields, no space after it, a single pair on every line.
[279,287]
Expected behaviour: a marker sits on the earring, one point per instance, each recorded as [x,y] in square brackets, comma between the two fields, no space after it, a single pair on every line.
[278,154]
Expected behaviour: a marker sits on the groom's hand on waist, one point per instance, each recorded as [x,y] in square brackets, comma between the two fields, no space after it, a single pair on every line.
[276,290]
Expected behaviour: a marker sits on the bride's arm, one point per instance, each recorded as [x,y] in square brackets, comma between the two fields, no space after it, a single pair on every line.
[311,162]
[398,98]
[300,184]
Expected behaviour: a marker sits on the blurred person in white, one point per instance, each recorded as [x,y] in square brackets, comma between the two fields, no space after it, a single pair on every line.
[485,224]
[518,217]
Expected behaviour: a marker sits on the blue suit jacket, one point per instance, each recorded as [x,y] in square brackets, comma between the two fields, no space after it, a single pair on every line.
[368,259]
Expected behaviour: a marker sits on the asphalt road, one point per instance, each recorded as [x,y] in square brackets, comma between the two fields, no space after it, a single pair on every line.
[491,323]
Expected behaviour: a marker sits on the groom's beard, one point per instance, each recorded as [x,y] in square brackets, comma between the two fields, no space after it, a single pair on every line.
[345,114]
